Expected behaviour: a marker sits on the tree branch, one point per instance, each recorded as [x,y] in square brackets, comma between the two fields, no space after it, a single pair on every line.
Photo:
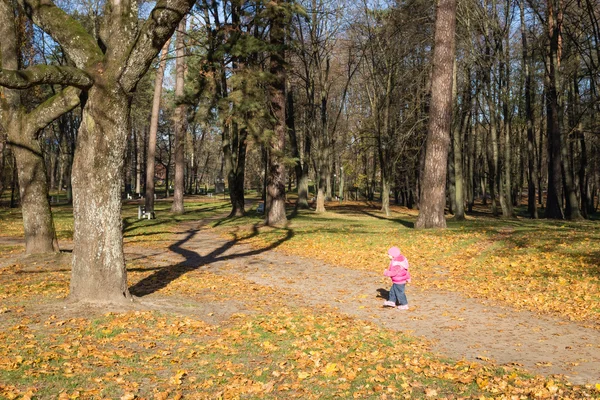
[79,45]
[159,26]
[44,74]
[51,109]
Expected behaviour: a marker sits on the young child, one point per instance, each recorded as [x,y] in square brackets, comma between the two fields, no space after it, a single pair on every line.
[398,272]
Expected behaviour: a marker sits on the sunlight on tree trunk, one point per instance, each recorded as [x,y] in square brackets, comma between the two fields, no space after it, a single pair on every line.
[433,196]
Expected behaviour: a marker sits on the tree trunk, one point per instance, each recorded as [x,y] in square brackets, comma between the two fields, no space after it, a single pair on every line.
[531,164]
[301,179]
[40,236]
[139,152]
[506,179]
[236,170]
[553,204]
[151,151]
[98,272]
[385,196]
[459,211]
[275,203]
[433,197]
[179,123]
[342,182]
[14,184]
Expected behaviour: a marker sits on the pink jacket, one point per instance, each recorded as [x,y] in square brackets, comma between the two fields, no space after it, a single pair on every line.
[398,270]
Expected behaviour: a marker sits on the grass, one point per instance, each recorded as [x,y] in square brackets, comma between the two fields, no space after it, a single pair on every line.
[271,350]
[134,230]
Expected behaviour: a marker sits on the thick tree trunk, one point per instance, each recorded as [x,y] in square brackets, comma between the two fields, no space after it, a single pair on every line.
[40,236]
[98,272]
[179,123]
[433,196]
[275,204]
[151,151]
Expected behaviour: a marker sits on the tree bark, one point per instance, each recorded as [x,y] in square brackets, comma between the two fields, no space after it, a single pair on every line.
[236,169]
[553,202]
[275,204]
[433,196]
[179,121]
[151,151]
[531,164]
[459,211]
[98,262]
[301,179]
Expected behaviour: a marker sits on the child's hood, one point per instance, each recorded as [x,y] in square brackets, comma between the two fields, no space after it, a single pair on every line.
[399,258]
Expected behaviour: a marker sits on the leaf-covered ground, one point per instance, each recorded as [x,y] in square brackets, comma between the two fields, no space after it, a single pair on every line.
[543,266]
[190,337]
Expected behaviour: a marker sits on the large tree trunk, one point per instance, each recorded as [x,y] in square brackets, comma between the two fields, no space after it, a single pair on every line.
[151,151]
[179,123]
[433,197]
[40,236]
[98,263]
[275,204]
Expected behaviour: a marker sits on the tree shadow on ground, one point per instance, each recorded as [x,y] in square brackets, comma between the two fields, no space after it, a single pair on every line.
[400,221]
[193,261]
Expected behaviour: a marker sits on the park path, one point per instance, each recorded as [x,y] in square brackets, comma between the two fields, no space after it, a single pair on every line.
[459,327]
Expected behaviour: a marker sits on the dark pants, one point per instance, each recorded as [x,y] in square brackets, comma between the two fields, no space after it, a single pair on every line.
[397,294]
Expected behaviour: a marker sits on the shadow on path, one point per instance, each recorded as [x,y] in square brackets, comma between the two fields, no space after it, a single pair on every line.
[164,276]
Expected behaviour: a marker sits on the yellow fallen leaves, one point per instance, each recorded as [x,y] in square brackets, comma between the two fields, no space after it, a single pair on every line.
[532,265]
[176,379]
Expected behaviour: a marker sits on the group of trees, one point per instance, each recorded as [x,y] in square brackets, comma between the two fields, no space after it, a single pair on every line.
[433,104]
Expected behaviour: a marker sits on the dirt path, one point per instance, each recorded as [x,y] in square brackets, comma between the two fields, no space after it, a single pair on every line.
[458,327]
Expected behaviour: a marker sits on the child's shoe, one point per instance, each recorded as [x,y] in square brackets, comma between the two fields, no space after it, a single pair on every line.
[388,303]
[404,307]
